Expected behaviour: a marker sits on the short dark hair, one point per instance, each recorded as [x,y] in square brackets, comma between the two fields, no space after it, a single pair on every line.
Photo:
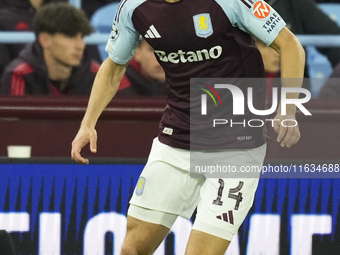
[61,17]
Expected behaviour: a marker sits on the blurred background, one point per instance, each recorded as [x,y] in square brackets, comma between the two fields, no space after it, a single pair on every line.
[50,205]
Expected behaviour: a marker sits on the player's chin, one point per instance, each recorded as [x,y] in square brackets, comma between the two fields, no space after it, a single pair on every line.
[74,63]
[75,60]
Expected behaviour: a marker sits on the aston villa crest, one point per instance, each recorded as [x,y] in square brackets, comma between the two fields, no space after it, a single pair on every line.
[203,26]
[140,186]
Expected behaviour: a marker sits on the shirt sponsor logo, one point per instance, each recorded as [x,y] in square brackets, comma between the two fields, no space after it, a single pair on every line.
[203,26]
[261,10]
[190,56]
[272,22]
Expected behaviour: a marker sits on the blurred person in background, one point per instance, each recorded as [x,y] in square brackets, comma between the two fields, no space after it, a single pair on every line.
[144,76]
[17,15]
[331,88]
[304,17]
[55,63]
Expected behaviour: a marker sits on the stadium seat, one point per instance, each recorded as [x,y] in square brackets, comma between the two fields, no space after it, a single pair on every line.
[318,64]
[332,9]
[76,3]
[102,20]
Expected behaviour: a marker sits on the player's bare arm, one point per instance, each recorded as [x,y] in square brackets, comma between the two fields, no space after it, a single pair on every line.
[104,88]
[292,67]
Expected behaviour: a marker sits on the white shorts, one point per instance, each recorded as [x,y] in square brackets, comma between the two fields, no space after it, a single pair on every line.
[166,190]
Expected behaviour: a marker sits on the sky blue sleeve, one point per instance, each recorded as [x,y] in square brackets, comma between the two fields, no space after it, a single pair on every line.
[255,17]
[124,38]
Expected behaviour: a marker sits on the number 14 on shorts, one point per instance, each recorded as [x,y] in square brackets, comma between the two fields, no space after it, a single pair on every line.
[234,193]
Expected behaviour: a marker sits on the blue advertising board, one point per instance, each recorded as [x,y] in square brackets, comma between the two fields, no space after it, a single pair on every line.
[81,209]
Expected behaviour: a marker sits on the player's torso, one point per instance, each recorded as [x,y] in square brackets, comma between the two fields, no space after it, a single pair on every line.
[194,39]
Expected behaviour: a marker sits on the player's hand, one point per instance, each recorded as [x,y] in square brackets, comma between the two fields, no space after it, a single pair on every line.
[289,133]
[85,135]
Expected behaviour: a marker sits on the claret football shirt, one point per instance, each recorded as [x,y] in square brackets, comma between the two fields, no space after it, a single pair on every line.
[197,39]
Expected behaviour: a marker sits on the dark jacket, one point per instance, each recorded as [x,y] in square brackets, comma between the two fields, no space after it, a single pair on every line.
[18,15]
[134,83]
[27,75]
